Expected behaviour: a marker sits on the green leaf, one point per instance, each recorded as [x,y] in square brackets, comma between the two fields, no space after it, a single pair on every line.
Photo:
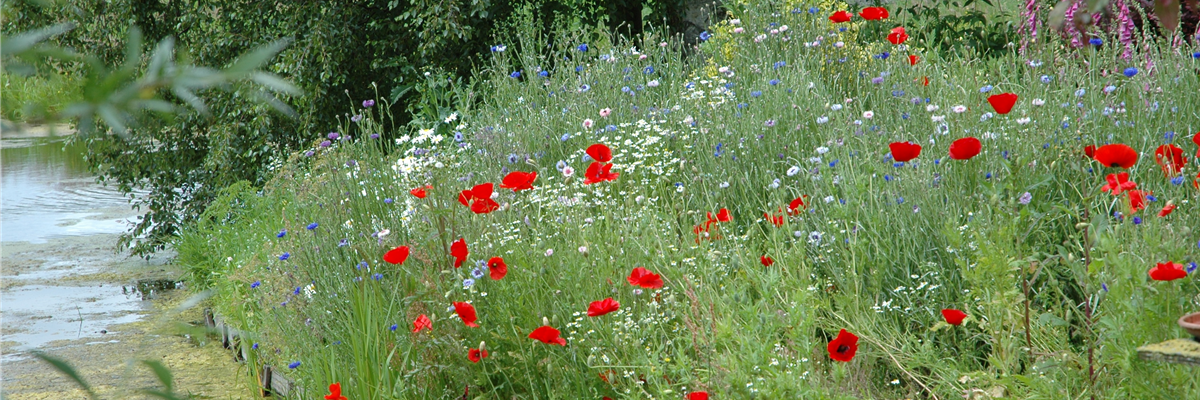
[66,369]
[255,59]
[275,83]
[26,40]
[163,374]
[1167,12]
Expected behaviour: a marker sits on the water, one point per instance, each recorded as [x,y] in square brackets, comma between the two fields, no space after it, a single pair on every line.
[47,191]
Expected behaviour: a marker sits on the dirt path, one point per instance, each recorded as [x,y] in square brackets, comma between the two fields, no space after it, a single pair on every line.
[74,299]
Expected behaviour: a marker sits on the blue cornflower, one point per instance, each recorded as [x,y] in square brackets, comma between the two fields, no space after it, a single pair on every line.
[648,70]
[254,347]
[584,88]
[899,200]
[579,68]
[512,158]
[499,48]
[256,284]
[1191,267]
[833,163]
[887,178]
[756,93]
[625,89]
[583,48]
[363,264]
[477,273]
[393,327]
[1046,79]
[297,291]
[515,74]
[813,10]
[689,85]
[1151,198]
[1104,287]
[883,55]
[1096,41]
[294,365]
[610,128]
[1130,72]
[1137,220]
[284,256]
[1196,54]
[565,137]
[705,35]
[1169,135]
[773,82]
[780,64]
[904,116]
[282,233]
[388,200]
[377,276]
[985,89]
[898,164]
[311,226]
[1177,180]
[343,242]
[543,73]
[468,283]
[720,150]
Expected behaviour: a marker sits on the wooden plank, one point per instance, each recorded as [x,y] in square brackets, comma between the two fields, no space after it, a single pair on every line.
[265,381]
[280,384]
[1178,351]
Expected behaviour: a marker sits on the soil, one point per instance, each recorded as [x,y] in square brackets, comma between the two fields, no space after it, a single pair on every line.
[75,299]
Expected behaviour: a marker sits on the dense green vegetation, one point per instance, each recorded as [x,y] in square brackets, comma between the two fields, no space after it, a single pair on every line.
[782,104]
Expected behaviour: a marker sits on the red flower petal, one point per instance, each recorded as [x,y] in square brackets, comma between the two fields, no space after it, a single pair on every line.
[518,181]
[897,36]
[466,312]
[497,268]
[843,347]
[458,250]
[601,307]
[335,392]
[1137,200]
[953,316]
[644,278]
[1166,210]
[422,323]
[600,152]
[547,335]
[904,151]
[1118,183]
[1090,151]
[1116,155]
[965,148]
[1003,102]
[475,355]
[1167,271]
[766,261]
[873,13]
[419,192]
[797,204]
[840,17]
[723,215]
[912,60]
[1170,158]
[396,255]
[698,396]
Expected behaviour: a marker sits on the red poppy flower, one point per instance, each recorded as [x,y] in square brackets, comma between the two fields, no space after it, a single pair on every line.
[479,199]
[723,215]
[497,268]
[1118,183]
[396,255]
[776,220]
[953,316]
[458,250]
[1196,140]
[419,192]
[518,181]
[912,60]
[1167,209]
[1170,158]
[840,17]
[547,335]
[898,35]
[1167,271]
[1137,200]
[766,261]
[1090,151]
[466,312]
[475,355]
[644,278]
[904,151]
[601,307]
[965,148]
[600,152]
[1116,155]
[843,347]
[422,322]
[698,396]
[1003,102]
[924,81]
[335,392]
[599,172]
[873,13]
[797,204]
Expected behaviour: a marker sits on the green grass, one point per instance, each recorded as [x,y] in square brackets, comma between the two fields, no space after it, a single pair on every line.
[31,99]
[879,251]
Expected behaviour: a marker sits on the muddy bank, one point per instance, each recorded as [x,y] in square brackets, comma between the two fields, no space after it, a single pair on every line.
[74,298]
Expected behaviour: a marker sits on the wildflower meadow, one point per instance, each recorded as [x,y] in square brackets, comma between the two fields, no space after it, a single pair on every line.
[811,203]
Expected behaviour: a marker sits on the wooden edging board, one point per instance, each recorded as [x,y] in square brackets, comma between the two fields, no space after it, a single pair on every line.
[271,379]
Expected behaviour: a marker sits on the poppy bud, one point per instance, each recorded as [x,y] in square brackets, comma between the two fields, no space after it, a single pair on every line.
[1082,225]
